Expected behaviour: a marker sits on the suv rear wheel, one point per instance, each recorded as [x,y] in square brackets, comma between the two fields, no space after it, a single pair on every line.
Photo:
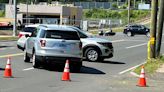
[26,57]
[35,63]
[92,54]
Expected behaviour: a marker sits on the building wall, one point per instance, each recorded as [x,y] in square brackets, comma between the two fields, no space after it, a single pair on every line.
[73,13]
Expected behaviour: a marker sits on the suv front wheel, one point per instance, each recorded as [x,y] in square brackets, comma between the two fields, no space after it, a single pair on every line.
[92,55]
[129,34]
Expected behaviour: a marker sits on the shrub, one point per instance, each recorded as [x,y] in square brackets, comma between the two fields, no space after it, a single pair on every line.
[2,13]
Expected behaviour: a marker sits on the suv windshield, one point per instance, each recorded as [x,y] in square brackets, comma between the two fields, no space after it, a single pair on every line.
[58,34]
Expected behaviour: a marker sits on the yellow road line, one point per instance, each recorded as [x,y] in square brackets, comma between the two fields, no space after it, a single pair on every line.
[11,55]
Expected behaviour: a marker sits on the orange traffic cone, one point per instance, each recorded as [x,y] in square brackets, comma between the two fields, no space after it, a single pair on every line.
[8,70]
[66,74]
[142,80]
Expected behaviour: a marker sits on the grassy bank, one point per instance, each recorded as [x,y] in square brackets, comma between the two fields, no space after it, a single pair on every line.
[6,35]
[151,65]
[8,38]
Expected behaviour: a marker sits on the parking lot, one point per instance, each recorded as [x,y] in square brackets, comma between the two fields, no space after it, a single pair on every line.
[109,75]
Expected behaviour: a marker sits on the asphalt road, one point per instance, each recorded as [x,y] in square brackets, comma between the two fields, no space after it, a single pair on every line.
[94,76]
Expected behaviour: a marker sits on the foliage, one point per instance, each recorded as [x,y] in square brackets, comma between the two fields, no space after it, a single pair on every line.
[151,65]
[2,13]
[114,6]
[115,14]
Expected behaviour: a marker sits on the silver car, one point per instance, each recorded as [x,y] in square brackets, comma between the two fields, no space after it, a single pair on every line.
[94,48]
[54,44]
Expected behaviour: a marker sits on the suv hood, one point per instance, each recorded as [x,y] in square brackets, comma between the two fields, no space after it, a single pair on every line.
[94,39]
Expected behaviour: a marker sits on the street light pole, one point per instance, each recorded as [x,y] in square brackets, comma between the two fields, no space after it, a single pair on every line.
[27,12]
[15,18]
[128,12]
[134,4]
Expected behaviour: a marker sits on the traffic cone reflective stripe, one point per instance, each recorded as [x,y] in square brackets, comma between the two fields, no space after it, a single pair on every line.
[8,70]
[66,74]
[9,60]
[142,80]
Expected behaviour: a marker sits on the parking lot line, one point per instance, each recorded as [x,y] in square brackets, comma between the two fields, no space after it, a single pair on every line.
[11,55]
[136,45]
[117,41]
[28,69]
[129,69]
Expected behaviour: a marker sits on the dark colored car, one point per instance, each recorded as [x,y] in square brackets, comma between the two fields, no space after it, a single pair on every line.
[132,30]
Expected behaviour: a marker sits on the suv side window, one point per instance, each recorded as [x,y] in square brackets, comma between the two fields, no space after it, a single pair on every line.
[61,34]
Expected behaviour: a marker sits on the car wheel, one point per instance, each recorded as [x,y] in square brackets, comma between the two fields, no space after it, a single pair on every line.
[148,34]
[35,63]
[129,34]
[92,54]
[26,57]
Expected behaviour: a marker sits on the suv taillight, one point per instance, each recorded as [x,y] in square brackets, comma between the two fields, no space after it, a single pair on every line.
[42,43]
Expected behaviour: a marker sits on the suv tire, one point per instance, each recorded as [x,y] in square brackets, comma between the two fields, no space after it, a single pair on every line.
[92,54]
[129,33]
[26,57]
[35,62]
[148,34]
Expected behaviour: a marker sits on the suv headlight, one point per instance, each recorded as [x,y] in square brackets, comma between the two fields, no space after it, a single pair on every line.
[109,44]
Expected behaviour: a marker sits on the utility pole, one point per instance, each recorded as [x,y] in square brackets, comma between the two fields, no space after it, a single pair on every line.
[154,8]
[141,1]
[27,1]
[15,18]
[134,4]
[128,12]
[160,27]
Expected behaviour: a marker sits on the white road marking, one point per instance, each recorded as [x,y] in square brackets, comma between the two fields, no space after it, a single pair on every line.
[122,72]
[11,55]
[137,40]
[136,45]
[6,48]
[28,69]
[117,41]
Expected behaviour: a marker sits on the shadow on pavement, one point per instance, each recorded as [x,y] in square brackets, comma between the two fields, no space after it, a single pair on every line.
[4,46]
[89,70]
[84,69]
[2,69]
[112,62]
[109,62]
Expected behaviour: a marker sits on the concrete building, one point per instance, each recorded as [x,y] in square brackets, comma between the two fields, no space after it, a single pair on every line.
[52,14]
